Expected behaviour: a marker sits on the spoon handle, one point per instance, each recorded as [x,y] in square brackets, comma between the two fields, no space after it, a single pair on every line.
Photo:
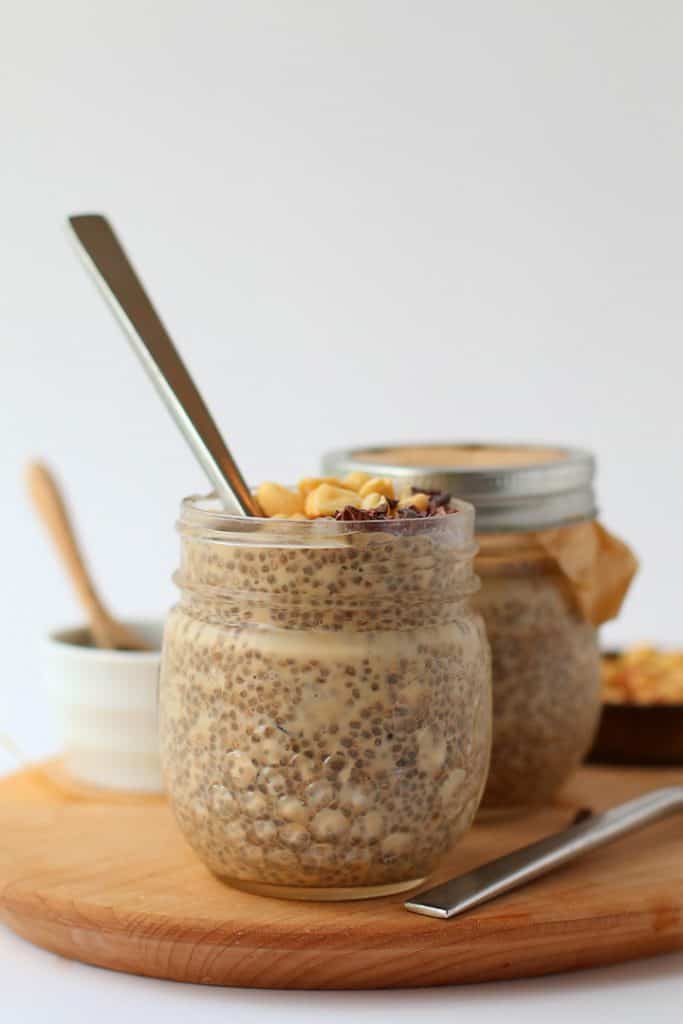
[49,504]
[521,866]
[104,256]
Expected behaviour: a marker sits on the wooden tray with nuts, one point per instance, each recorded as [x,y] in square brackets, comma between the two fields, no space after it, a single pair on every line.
[642,716]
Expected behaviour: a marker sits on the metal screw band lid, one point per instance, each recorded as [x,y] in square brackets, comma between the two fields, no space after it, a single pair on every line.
[514,487]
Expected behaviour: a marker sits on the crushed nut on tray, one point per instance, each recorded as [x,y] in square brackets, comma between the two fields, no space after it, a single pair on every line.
[643,675]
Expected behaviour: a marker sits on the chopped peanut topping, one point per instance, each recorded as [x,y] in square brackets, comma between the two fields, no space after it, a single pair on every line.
[418,501]
[378,485]
[309,483]
[327,499]
[275,500]
[374,500]
[354,481]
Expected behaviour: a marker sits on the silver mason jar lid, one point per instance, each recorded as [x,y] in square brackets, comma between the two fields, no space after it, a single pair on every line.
[514,487]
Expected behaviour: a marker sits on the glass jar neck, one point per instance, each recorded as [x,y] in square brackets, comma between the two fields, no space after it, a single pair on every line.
[328,575]
[512,552]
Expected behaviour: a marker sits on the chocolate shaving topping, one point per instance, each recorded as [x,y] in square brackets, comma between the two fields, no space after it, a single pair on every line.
[437,499]
[350,514]
[412,513]
[439,502]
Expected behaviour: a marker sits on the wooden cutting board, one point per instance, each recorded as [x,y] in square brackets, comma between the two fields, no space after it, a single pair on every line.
[111,882]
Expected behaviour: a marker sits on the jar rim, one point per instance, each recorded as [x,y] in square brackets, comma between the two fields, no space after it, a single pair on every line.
[203,514]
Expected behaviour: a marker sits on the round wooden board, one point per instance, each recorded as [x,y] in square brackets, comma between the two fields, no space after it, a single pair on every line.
[112,883]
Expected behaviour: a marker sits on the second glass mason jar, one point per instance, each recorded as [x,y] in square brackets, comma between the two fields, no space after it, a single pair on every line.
[549,575]
[546,671]
[325,708]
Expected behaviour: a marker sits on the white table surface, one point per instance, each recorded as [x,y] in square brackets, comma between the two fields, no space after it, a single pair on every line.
[39,986]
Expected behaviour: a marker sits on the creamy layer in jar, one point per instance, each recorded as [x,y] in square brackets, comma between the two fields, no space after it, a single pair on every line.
[325,699]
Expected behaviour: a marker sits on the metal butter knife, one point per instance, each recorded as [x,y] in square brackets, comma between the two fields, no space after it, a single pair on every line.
[105,258]
[521,866]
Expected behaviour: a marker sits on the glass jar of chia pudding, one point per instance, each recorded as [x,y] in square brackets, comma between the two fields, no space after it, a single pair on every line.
[546,672]
[550,575]
[325,708]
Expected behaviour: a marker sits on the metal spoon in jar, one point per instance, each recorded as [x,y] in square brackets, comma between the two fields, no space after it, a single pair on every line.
[105,258]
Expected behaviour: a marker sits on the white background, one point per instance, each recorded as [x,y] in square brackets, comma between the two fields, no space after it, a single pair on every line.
[362,221]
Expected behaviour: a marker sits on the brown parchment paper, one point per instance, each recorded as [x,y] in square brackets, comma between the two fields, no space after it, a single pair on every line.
[597,565]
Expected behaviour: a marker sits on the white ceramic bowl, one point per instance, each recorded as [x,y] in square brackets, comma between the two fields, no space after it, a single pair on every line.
[107,705]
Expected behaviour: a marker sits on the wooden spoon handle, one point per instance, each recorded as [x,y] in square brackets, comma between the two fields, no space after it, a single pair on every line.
[50,506]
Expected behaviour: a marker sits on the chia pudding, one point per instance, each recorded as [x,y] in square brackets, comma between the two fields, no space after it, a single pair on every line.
[325,709]
[546,676]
